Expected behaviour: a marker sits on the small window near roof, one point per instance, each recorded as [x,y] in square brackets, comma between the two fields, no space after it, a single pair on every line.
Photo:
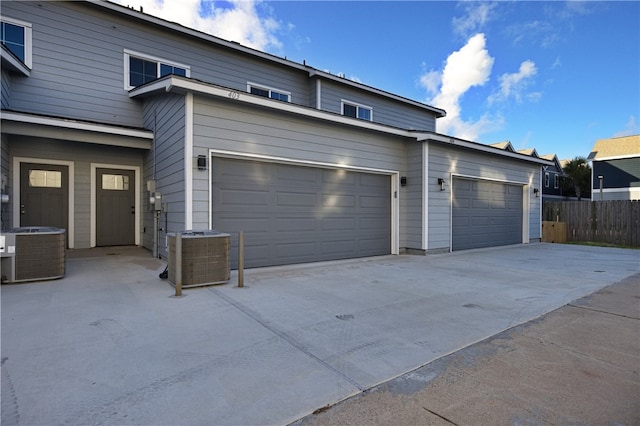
[141,69]
[556,181]
[268,92]
[546,179]
[355,110]
[16,36]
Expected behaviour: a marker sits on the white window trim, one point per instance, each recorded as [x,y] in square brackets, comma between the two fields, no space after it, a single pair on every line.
[28,31]
[128,53]
[270,89]
[357,105]
[547,179]
[556,181]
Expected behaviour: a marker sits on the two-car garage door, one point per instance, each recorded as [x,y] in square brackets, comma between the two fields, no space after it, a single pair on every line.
[294,214]
[485,213]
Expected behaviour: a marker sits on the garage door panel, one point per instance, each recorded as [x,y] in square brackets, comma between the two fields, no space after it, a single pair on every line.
[341,178]
[295,225]
[338,200]
[301,214]
[485,214]
[295,199]
[233,198]
[295,176]
[374,202]
[334,223]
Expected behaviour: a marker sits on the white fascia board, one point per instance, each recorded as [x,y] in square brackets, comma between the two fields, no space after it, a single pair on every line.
[450,140]
[615,157]
[170,83]
[75,125]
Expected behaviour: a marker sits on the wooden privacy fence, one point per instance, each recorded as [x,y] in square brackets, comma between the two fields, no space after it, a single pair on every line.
[610,222]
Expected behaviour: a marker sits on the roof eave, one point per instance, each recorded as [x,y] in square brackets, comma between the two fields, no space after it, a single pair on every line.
[450,140]
[257,53]
[174,83]
[9,60]
[439,112]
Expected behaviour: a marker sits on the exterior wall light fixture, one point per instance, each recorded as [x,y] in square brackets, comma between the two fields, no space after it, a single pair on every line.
[202,162]
[403,181]
[441,183]
[536,192]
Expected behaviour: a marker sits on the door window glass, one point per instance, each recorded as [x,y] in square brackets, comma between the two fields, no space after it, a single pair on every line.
[115,182]
[45,179]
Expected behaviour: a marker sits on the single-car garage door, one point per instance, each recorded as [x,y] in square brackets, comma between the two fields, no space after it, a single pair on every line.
[293,214]
[485,214]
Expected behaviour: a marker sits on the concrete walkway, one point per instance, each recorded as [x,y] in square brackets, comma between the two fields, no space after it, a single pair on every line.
[578,365]
[109,345]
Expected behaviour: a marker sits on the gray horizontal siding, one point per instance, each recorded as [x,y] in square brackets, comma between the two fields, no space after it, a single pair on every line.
[229,126]
[6,89]
[385,111]
[411,231]
[620,173]
[444,160]
[72,52]
[6,208]
[82,155]
[165,163]
[78,67]
[76,45]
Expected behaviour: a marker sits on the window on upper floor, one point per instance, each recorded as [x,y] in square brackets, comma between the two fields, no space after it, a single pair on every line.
[269,92]
[140,69]
[556,181]
[352,109]
[546,179]
[16,36]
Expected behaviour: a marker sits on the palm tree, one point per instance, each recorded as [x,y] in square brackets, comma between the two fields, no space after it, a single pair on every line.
[577,175]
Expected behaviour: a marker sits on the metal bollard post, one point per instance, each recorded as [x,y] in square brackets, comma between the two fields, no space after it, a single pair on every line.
[241,259]
[178,264]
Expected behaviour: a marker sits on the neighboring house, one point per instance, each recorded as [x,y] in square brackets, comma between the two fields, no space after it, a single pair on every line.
[121,127]
[551,179]
[615,169]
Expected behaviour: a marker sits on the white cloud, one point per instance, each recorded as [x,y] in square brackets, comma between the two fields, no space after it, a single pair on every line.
[235,20]
[512,85]
[631,128]
[430,81]
[477,15]
[466,68]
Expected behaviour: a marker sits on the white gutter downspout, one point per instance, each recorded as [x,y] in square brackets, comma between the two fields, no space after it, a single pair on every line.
[318,94]
[425,196]
[188,160]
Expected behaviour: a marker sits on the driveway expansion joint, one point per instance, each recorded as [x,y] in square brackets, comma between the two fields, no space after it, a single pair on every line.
[285,336]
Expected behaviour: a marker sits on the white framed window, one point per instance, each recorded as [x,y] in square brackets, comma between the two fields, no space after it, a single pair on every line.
[556,181]
[140,69]
[269,92]
[16,36]
[355,110]
[546,179]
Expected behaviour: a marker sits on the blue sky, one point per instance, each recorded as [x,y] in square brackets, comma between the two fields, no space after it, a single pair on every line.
[554,76]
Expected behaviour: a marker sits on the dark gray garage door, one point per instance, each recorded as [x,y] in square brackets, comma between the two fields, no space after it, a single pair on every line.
[293,214]
[485,214]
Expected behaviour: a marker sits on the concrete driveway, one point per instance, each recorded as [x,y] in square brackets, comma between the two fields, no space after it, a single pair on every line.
[108,344]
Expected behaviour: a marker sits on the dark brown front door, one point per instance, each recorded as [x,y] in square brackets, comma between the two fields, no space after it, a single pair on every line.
[115,207]
[44,195]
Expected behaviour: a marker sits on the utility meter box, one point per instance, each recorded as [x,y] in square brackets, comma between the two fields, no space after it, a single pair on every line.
[204,258]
